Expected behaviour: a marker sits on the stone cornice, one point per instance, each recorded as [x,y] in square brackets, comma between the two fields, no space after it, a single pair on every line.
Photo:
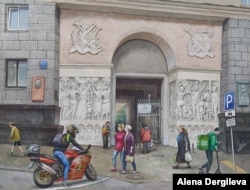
[163,9]
[84,65]
[200,70]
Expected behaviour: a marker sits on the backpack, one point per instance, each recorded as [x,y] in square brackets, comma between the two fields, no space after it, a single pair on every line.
[56,140]
[202,142]
[105,131]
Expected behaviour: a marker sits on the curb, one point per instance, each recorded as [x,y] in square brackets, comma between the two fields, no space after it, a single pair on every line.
[15,169]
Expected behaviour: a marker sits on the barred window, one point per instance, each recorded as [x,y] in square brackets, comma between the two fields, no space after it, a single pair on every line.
[17,18]
[16,73]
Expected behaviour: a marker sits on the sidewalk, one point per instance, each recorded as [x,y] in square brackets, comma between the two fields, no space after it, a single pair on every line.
[154,167]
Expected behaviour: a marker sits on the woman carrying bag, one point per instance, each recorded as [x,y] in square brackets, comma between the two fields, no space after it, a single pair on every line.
[129,150]
[183,152]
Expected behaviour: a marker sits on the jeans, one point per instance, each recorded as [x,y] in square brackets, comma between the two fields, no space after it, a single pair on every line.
[116,152]
[124,163]
[146,147]
[61,156]
[105,141]
[208,164]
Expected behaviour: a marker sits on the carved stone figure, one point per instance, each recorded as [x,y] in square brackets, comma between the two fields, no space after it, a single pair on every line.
[180,101]
[214,103]
[97,89]
[195,100]
[200,44]
[73,93]
[84,39]
[106,101]
[63,99]
[82,105]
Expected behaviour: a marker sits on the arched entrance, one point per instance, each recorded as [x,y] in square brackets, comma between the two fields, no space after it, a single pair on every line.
[140,67]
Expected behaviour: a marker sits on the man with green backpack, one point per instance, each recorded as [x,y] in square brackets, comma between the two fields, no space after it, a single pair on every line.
[212,146]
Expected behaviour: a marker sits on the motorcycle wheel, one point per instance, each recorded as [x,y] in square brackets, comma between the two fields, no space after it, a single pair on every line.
[90,173]
[42,178]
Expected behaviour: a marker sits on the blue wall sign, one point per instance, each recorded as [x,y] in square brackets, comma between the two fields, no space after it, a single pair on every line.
[43,64]
[229,101]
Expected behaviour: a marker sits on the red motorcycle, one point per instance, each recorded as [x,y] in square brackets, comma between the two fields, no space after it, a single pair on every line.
[50,169]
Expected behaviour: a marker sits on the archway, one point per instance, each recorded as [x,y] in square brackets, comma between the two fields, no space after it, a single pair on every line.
[140,67]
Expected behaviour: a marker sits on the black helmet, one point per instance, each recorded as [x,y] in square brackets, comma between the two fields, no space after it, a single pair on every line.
[72,130]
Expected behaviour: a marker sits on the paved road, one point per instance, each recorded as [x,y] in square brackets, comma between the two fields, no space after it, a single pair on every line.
[16,180]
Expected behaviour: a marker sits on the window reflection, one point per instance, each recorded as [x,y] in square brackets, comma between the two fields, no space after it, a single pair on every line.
[18,18]
[16,73]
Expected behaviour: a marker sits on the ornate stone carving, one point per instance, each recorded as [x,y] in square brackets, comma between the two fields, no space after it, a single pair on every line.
[200,44]
[89,133]
[84,39]
[84,98]
[194,100]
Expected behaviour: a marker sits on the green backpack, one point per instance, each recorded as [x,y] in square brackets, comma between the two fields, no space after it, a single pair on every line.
[202,142]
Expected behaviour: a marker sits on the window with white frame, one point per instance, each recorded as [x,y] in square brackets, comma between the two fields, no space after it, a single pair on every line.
[16,73]
[245,2]
[17,18]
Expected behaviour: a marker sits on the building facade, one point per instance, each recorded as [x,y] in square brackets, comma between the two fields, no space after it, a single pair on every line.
[29,69]
[164,63]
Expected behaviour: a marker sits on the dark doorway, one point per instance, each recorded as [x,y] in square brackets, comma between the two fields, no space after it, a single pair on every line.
[128,92]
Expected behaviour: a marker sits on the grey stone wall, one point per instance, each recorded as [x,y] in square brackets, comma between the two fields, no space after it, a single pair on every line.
[39,42]
[235,69]
[235,59]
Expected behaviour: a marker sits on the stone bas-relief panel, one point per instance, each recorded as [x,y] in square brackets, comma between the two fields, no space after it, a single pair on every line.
[193,132]
[82,98]
[200,44]
[89,133]
[84,39]
[194,100]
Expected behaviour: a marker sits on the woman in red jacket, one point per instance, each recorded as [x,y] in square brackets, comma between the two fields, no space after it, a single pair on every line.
[119,144]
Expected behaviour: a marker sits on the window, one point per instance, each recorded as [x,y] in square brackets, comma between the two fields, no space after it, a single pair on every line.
[245,2]
[18,18]
[16,73]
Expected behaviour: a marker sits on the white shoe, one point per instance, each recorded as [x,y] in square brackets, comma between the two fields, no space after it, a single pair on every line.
[65,183]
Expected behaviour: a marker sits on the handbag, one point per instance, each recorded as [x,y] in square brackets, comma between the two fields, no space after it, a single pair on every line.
[188,157]
[129,158]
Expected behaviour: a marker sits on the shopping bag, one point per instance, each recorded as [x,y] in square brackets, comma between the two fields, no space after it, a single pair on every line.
[188,157]
[129,158]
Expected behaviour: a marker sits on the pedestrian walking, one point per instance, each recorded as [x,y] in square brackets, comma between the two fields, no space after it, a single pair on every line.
[119,145]
[183,145]
[105,134]
[212,146]
[129,149]
[15,138]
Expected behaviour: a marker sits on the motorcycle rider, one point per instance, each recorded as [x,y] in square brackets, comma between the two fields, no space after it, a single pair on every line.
[59,150]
